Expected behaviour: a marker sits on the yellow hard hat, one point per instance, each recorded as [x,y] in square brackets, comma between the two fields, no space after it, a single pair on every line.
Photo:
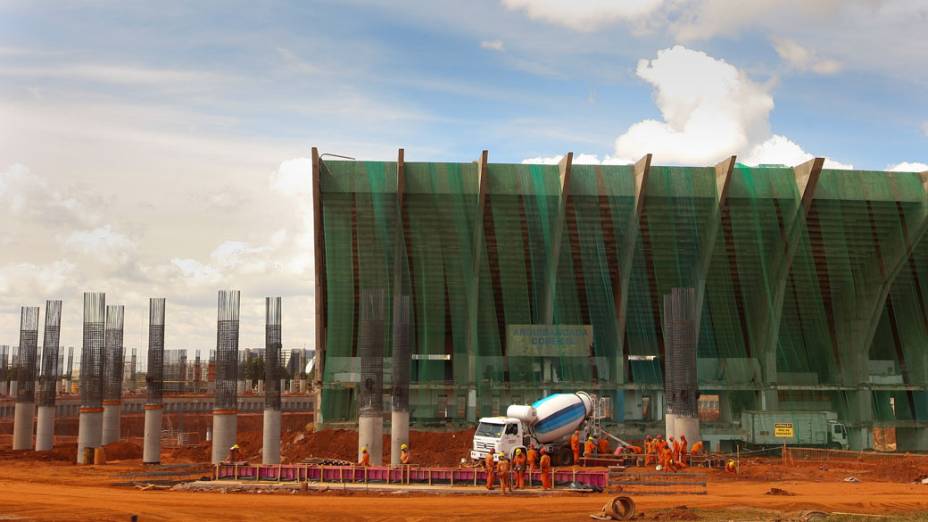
[234,446]
[518,451]
[590,438]
[364,448]
[404,446]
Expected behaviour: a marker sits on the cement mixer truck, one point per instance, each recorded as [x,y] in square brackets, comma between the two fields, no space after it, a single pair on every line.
[549,423]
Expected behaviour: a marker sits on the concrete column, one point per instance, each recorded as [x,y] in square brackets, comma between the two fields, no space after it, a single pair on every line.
[13,386]
[151,448]
[670,425]
[22,425]
[89,431]
[270,454]
[45,429]
[399,434]
[4,387]
[911,439]
[370,435]
[225,432]
[112,411]
[240,387]
[688,426]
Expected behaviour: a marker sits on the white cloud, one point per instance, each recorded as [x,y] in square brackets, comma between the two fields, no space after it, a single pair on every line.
[802,59]
[293,177]
[579,159]
[584,15]
[114,74]
[783,151]
[101,241]
[710,110]
[907,166]
[492,45]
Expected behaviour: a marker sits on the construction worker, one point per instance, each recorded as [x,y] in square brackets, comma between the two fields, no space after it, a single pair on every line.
[518,465]
[589,449]
[502,470]
[545,466]
[676,449]
[532,458]
[404,453]
[603,445]
[575,446]
[365,459]
[697,448]
[684,457]
[490,466]
[233,453]
[648,451]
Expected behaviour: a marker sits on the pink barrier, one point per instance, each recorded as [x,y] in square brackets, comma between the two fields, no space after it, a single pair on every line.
[392,475]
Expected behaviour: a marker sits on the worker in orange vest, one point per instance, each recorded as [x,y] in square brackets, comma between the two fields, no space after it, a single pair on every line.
[545,466]
[518,465]
[502,470]
[676,449]
[589,449]
[490,465]
[697,448]
[575,446]
[532,458]
[648,451]
[365,458]
[603,445]
[404,453]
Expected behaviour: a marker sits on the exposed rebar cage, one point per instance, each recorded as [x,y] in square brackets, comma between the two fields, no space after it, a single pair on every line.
[154,377]
[227,350]
[48,377]
[28,344]
[370,350]
[92,352]
[272,353]
[680,386]
[113,361]
[70,373]
[401,354]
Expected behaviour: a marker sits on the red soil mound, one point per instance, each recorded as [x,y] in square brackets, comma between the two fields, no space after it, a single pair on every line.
[122,450]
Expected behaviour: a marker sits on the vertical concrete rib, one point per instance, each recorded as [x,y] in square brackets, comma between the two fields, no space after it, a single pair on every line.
[473,287]
[321,295]
[401,356]
[549,294]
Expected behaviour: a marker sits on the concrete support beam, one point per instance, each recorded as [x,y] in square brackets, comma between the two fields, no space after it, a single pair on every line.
[23,416]
[151,444]
[554,248]
[112,412]
[225,433]
[270,451]
[90,431]
[473,288]
[321,295]
[45,428]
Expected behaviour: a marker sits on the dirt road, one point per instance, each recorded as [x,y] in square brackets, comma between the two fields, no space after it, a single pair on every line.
[51,491]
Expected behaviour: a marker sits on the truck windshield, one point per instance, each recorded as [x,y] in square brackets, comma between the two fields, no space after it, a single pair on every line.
[486,429]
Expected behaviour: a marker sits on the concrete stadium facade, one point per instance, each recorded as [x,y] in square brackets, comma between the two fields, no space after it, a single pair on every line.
[812,286]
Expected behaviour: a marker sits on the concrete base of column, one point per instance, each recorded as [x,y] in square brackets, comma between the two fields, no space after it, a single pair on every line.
[370,436]
[859,438]
[112,411]
[89,431]
[670,425]
[399,434]
[23,416]
[911,439]
[225,432]
[270,453]
[688,426]
[45,429]
[13,386]
[151,445]
[4,387]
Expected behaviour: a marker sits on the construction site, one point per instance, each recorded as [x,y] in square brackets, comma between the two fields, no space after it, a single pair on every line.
[556,342]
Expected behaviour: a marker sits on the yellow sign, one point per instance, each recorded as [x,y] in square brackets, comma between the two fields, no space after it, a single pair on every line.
[783,430]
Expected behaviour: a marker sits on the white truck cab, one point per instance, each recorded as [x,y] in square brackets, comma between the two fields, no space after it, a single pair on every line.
[498,434]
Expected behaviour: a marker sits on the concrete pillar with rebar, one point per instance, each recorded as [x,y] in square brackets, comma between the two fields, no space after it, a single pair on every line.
[225,415]
[270,454]
[90,425]
[24,413]
[48,377]
[401,358]
[680,386]
[113,367]
[370,351]
[154,382]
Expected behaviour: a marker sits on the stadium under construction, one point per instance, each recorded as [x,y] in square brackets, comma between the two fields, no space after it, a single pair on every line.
[509,281]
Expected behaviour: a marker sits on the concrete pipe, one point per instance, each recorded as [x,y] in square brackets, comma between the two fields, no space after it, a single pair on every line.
[151,445]
[225,432]
[89,431]
[270,453]
[112,411]
[45,429]
[23,416]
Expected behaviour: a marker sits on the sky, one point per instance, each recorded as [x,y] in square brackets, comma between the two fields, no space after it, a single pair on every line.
[160,149]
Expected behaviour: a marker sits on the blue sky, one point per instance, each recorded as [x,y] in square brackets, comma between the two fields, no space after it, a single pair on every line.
[159,148]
